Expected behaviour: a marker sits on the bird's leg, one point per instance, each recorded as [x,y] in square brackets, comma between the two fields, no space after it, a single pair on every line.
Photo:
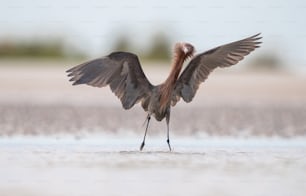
[167,121]
[144,137]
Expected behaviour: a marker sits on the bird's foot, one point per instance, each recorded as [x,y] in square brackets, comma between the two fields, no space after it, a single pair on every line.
[142,145]
[168,141]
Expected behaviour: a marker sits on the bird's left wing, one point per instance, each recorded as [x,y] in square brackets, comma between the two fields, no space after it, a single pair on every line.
[201,65]
[121,71]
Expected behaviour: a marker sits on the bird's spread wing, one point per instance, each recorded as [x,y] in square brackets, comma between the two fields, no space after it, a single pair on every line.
[120,70]
[201,65]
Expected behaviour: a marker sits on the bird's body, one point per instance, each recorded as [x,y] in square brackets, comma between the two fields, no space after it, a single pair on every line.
[123,73]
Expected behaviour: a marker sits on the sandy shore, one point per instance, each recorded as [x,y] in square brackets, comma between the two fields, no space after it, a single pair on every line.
[43,83]
[246,121]
[39,100]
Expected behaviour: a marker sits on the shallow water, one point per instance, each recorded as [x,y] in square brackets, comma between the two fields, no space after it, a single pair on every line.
[107,165]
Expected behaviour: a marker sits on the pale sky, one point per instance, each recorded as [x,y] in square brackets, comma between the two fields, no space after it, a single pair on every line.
[93,24]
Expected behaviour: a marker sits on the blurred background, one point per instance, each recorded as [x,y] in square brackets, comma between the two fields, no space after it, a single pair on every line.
[265,94]
[243,134]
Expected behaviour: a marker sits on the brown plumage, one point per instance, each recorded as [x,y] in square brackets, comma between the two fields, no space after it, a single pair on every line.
[123,73]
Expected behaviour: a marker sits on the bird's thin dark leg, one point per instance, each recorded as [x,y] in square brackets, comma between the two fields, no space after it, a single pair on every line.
[144,137]
[167,121]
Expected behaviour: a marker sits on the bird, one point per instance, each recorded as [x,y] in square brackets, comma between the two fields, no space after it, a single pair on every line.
[122,72]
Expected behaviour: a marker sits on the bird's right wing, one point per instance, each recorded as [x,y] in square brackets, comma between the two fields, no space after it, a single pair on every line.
[121,71]
[203,64]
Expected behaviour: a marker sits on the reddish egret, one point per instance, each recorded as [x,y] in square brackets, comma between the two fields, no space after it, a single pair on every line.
[123,73]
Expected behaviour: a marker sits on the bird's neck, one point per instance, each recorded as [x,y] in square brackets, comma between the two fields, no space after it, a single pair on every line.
[168,85]
[176,68]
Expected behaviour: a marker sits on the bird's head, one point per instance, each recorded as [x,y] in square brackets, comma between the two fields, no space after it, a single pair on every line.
[184,49]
